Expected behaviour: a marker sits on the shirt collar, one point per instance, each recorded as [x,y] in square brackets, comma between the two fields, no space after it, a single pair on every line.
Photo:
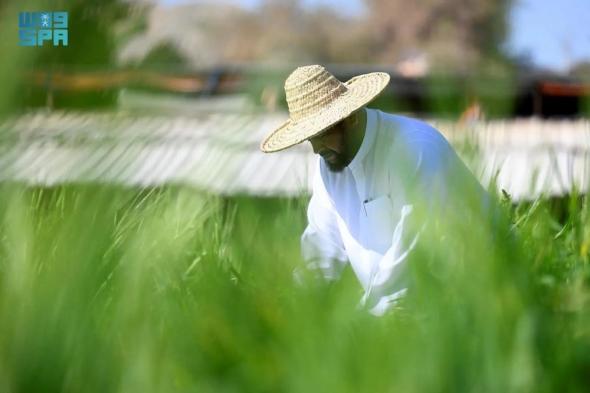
[367,142]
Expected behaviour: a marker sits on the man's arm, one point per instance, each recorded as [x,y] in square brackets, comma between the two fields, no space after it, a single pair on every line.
[430,178]
[389,279]
[441,188]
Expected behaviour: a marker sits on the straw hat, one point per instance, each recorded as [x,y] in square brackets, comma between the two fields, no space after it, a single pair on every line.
[317,100]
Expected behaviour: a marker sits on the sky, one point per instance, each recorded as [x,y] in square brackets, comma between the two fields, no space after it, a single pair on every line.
[555,34]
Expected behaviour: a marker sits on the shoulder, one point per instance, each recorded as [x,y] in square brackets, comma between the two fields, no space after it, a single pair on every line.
[414,142]
[413,133]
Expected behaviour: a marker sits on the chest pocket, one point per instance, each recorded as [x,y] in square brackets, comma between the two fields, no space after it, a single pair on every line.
[377,223]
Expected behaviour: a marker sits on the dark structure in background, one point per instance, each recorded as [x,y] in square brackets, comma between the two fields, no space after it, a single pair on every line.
[552,97]
[541,95]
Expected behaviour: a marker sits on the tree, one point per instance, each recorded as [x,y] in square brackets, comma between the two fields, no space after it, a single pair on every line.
[456,34]
[91,47]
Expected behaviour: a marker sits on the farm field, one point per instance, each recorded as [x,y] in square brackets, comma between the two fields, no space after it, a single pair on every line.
[109,288]
[149,245]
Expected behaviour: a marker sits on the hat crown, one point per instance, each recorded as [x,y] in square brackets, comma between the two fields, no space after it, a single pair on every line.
[310,89]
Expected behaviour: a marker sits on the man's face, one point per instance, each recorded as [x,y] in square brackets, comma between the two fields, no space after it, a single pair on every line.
[331,145]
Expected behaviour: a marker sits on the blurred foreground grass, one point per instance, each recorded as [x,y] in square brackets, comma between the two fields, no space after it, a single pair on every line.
[111,289]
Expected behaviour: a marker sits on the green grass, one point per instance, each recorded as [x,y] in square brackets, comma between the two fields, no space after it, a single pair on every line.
[109,289]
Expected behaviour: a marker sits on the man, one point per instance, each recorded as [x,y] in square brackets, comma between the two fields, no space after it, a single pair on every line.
[374,169]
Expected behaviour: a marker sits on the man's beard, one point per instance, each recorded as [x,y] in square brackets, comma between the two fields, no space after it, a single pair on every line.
[335,161]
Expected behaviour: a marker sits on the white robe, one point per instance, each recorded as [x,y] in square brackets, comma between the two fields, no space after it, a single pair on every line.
[358,216]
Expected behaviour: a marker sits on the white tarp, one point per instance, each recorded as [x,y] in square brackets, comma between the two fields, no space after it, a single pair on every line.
[219,152]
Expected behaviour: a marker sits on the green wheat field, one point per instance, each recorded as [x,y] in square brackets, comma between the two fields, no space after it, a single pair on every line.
[112,289]
[106,288]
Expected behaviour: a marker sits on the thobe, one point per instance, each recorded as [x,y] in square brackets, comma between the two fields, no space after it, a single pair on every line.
[358,216]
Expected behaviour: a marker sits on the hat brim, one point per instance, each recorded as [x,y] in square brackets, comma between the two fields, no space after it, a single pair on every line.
[361,90]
